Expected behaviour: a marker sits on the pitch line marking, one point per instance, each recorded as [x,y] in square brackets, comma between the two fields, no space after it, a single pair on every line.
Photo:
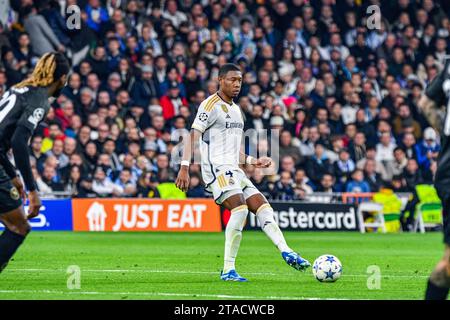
[166,294]
[193,272]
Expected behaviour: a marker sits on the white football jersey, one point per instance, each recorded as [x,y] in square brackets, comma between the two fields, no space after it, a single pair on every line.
[222,125]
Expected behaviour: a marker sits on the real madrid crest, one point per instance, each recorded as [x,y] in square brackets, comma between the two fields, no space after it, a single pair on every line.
[14,194]
[224,108]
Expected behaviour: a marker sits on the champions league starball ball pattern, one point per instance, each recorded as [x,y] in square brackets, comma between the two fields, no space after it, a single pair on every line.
[327,268]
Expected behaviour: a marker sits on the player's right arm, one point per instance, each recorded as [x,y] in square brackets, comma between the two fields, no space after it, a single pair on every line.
[206,116]
[183,178]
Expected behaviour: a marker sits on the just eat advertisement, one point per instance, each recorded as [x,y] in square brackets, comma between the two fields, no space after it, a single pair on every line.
[190,215]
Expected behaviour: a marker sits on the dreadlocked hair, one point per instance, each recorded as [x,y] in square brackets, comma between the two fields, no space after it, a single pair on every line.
[43,73]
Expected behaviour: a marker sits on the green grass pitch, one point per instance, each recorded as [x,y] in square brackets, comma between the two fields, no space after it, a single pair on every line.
[187,266]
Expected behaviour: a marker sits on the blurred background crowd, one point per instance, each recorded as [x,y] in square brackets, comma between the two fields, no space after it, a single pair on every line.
[344,96]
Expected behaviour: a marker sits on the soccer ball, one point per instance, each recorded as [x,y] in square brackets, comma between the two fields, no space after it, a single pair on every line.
[327,268]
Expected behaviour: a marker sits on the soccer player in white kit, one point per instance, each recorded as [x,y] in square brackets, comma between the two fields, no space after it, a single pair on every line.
[218,127]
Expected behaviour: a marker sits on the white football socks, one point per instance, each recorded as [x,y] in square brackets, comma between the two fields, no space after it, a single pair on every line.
[271,228]
[233,236]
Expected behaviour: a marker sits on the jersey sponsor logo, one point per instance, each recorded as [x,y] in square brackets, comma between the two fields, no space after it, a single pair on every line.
[234,125]
[203,117]
[37,116]
[14,193]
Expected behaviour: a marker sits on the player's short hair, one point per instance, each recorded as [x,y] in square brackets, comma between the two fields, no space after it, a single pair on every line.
[50,67]
[227,67]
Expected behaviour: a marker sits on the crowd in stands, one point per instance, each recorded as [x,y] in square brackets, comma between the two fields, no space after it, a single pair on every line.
[344,96]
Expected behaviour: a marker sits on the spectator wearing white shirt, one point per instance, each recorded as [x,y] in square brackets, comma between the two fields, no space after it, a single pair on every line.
[41,185]
[173,15]
[336,44]
[385,148]
[102,185]
[57,152]
[314,43]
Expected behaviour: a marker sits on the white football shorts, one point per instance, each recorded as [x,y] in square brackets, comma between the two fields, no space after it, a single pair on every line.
[228,182]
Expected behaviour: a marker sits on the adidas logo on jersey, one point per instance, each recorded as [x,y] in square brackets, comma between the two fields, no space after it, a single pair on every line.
[228,116]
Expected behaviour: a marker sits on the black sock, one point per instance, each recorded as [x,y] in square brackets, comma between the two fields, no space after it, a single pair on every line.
[9,242]
[434,292]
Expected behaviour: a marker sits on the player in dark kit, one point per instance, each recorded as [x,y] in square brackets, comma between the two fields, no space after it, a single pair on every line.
[21,109]
[437,94]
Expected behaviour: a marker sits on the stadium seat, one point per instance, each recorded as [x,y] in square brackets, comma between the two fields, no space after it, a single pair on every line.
[428,215]
[429,210]
[376,210]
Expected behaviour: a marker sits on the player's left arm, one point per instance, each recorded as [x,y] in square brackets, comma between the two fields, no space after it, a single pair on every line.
[19,143]
[25,127]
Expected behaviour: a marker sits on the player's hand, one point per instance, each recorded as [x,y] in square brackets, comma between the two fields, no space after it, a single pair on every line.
[35,204]
[16,182]
[182,181]
[263,162]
